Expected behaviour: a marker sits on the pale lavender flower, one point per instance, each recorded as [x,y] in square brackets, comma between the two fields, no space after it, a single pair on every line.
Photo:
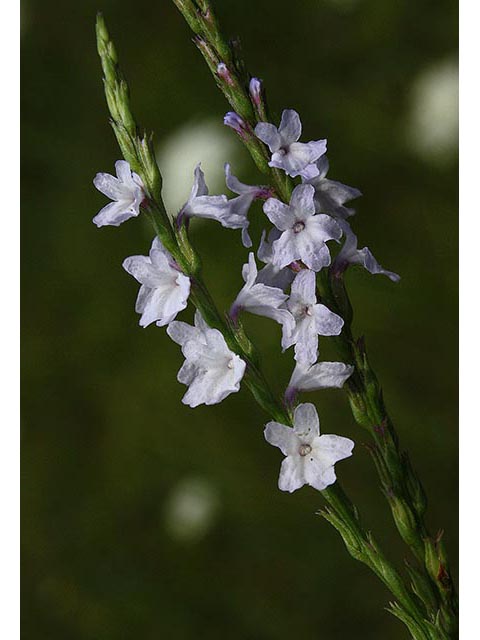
[350,254]
[311,319]
[270,274]
[126,191]
[330,195]
[232,213]
[260,299]
[310,457]
[295,158]
[211,371]
[199,189]
[304,233]
[164,291]
[322,375]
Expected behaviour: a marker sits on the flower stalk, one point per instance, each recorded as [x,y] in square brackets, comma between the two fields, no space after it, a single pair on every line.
[428,608]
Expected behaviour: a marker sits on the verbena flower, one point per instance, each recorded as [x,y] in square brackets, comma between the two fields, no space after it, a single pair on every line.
[350,254]
[126,191]
[322,375]
[295,158]
[199,189]
[232,213]
[304,233]
[310,457]
[270,274]
[330,195]
[311,319]
[211,371]
[261,299]
[164,291]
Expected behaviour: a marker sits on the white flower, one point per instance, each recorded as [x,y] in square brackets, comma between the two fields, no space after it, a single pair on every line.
[126,191]
[199,189]
[211,371]
[323,375]
[311,319]
[304,233]
[261,299]
[270,274]
[232,213]
[164,291]
[330,195]
[349,254]
[295,158]
[310,457]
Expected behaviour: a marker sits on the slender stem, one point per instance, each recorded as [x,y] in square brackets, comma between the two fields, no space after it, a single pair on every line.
[399,481]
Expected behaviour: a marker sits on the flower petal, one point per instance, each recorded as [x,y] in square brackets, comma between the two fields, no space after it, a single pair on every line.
[301,201]
[268,133]
[290,128]
[330,449]
[109,186]
[279,214]
[114,214]
[327,323]
[303,287]
[306,423]
[281,436]
[291,474]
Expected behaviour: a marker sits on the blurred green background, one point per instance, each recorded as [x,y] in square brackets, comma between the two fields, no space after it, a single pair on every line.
[143,518]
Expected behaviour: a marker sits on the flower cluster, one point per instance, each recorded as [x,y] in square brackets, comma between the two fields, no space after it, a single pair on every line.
[293,250]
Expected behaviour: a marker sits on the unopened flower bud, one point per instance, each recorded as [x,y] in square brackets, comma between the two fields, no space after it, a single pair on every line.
[235,122]
[223,72]
[404,519]
[256,89]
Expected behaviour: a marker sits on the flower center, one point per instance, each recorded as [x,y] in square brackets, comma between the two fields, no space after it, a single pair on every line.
[298,226]
[305,449]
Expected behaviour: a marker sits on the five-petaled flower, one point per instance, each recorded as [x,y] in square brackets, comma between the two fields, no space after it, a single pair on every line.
[322,375]
[304,234]
[295,158]
[310,457]
[211,371]
[164,291]
[311,319]
[261,299]
[330,195]
[126,191]
[350,254]
[232,213]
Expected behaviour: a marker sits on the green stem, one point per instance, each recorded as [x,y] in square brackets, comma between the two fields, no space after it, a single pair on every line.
[399,481]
